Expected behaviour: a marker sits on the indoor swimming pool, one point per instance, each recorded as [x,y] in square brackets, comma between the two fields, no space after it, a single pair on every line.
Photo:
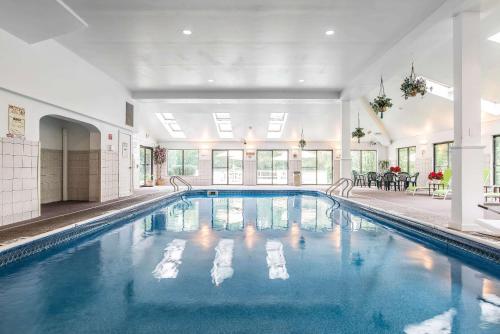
[268,262]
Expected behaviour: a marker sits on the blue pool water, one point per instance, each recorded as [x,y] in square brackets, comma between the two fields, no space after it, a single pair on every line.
[249,264]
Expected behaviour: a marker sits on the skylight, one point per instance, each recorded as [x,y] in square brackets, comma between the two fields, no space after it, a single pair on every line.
[495,38]
[446,92]
[223,124]
[276,124]
[169,123]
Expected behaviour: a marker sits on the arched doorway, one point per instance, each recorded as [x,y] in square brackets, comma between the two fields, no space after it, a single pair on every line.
[70,160]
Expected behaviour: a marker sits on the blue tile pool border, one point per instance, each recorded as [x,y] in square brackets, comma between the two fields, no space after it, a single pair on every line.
[444,240]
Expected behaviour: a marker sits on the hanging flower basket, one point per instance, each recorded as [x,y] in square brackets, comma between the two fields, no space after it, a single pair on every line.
[381,103]
[302,142]
[413,85]
[358,132]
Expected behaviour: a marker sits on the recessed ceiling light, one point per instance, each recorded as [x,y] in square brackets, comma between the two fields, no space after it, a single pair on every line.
[329,32]
[187,32]
[495,38]
[210,80]
[301,80]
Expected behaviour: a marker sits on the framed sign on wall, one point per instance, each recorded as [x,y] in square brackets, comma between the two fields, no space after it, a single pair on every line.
[16,121]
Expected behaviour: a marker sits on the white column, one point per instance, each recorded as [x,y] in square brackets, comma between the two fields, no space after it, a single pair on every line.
[65,164]
[467,152]
[345,162]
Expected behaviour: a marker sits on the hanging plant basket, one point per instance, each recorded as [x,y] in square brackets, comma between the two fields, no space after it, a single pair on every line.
[413,85]
[358,132]
[302,142]
[381,103]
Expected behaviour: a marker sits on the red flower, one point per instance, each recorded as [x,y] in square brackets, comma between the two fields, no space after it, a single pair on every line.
[395,169]
[435,176]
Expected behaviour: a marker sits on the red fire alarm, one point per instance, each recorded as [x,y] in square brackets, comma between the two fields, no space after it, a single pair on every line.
[110,136]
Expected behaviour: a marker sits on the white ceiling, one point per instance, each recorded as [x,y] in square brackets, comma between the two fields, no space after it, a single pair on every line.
[257,45]
[239,43]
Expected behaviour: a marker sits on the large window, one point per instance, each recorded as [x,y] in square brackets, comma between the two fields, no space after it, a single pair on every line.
[183,162]
[227,166]
[317,167]
[146,166]
[364,161]
[272,167]
[442,158]
[496,159]
[406,159]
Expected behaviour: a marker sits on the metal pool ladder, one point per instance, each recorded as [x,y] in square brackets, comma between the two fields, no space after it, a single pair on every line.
[181,180]
[346,184]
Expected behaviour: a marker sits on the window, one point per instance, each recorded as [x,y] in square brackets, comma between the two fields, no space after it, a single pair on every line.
[496,159]
[272,167]
[183,162]
[145,166]
[227,166]
[364,161]
[406,159]
[442,159]
[317,167]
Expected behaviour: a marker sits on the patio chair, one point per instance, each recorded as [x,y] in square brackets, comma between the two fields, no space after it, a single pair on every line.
[372,177]
[359,179]
[390,180]
[412,180]
[403,178]
[447,186]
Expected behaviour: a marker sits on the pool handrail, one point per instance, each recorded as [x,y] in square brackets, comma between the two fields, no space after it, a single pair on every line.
[180,179]
[346,183]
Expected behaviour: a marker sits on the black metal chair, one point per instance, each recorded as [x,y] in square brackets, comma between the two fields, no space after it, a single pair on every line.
[372,177]
[412,180]
[359,179]
[403,178]
[390,180]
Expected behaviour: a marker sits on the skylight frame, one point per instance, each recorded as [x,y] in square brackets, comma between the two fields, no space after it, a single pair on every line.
[170,124]
[446,92]
[276,119]
[222,123]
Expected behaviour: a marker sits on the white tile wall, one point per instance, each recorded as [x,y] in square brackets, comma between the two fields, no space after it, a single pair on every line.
[51,175]
[109,175]
[19,180]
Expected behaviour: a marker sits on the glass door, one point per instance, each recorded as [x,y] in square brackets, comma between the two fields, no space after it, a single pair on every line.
[272,167]
[227,166]
[146,166]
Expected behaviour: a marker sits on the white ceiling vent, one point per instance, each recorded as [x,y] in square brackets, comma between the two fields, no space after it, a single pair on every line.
[38,20]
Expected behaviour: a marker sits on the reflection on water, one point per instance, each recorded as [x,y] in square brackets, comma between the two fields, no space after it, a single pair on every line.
[169,265]
[223,261]
[440,324]
[264,213]
[276,260]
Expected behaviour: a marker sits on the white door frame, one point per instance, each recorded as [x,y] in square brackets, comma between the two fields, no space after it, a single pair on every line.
[120,152]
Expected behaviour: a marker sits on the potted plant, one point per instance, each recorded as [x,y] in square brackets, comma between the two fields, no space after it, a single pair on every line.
[435,177]
[381,103]
[383,165]
[413,85]
[358,132]
[160,157]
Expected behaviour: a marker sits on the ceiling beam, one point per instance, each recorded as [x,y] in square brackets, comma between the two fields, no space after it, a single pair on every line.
[237,94]
[398,57]
[384,137]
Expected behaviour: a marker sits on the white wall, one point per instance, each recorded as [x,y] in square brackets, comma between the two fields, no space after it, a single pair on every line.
[47,79]
[425,147]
